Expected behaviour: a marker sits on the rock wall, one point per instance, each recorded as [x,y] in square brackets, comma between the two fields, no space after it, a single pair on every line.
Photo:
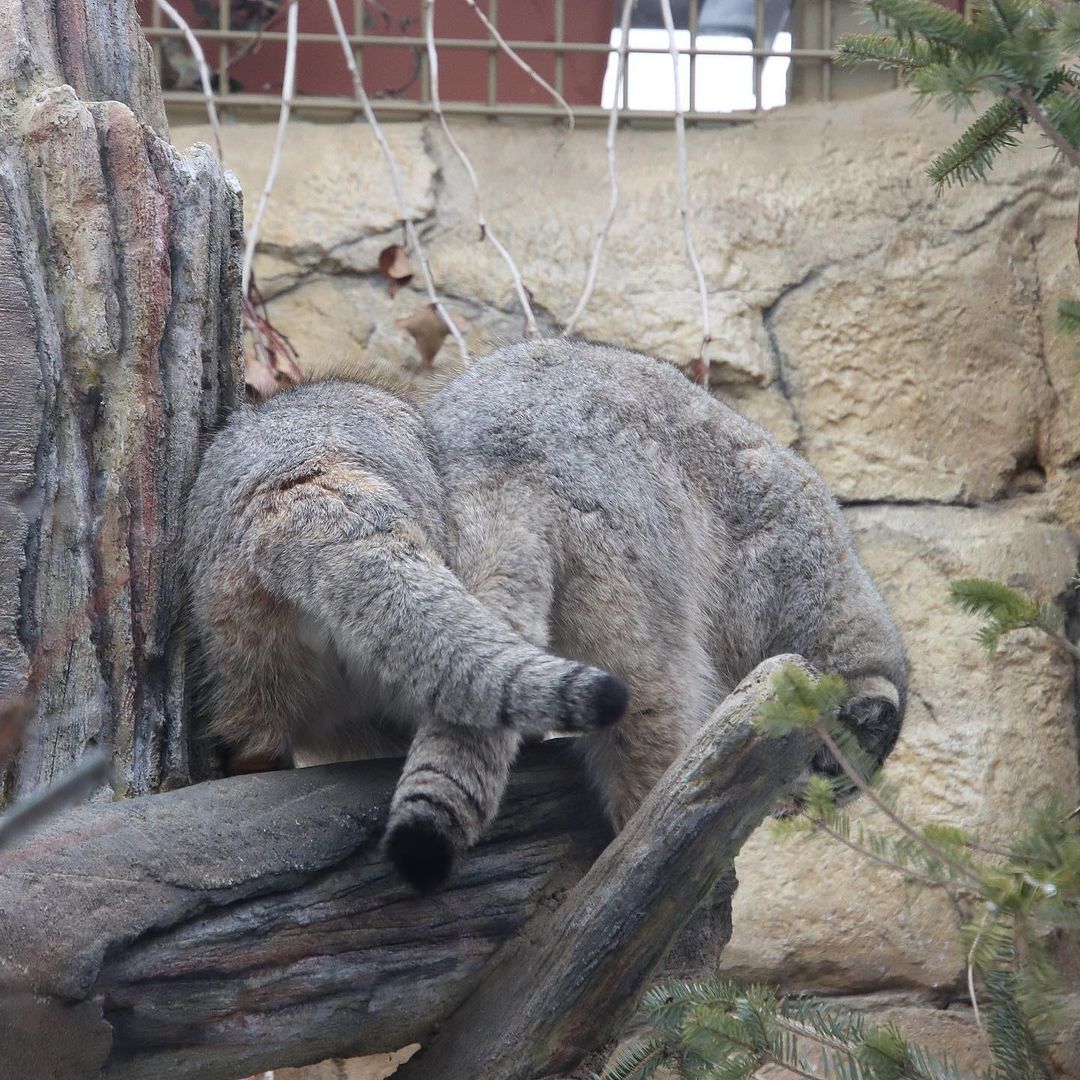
[905,343]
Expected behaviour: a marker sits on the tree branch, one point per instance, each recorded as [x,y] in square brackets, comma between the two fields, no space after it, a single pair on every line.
[486,231]
[250,923]
[411,235]
[613,177]
[571,978]
[1026,100]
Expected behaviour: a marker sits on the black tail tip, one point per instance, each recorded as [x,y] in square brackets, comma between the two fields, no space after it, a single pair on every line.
[421,854]
[609,699]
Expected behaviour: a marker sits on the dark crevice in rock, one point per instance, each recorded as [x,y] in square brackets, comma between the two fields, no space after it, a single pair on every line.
[925,504]
[768,316]
[1072,632]
[1005,205]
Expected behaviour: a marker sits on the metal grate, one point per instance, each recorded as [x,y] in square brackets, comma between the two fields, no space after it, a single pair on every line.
[572,46]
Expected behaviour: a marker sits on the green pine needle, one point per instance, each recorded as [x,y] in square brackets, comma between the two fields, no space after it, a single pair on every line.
[1068,317]
[886,51]
[1004,609]
[914,19]
[1013,1041]
[800,701]
[972,155]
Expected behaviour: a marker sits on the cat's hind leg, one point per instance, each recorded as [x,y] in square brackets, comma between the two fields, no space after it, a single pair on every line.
[258,685]
[338,548]
[667,705]
[455,776]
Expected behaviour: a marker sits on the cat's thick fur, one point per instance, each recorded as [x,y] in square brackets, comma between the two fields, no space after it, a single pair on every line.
[560,522]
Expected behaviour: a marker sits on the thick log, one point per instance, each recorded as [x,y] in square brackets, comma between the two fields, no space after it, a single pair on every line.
[571,979]
[119,316]
[245,924]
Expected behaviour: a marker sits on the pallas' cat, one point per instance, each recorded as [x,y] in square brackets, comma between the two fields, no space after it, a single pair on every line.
[567,537]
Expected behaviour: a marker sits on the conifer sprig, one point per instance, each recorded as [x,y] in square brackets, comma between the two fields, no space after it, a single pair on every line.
[973,154]
[1021,53]
[1068,317]
[1003,608]
[886,51]
[726,1031]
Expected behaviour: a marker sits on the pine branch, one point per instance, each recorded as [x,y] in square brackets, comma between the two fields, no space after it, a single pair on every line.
[899,868]
[728,1030]
[887,51]
[972,155]
[1012,1042]
[934,23]
[635,1062]
[1068,317]
[1005,610]
[1026,99]
[1062,107]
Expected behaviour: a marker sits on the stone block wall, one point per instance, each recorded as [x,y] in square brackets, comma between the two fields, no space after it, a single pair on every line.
[904,342]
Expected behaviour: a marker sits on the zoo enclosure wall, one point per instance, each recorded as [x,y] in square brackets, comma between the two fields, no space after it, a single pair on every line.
[571,45]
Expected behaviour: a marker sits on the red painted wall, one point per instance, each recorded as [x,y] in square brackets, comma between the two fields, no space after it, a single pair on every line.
[392,69]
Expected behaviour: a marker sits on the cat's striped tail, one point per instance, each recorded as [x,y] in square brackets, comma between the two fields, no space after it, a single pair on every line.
[339,549]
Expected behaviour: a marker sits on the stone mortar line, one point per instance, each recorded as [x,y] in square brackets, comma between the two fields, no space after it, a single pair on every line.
[916,504]
[768,314]
[309,275]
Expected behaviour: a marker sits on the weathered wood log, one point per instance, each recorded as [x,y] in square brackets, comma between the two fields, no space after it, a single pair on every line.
[119,350]
[249,923]
[571,979]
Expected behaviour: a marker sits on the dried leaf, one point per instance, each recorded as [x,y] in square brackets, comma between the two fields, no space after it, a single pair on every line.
[699,372]
[267,376]
[394,264]
[269,360]
[428,330]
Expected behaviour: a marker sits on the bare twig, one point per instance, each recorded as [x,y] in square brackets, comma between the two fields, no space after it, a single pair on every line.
[905,871]
[93,771]
[395,179]
[177,20]
[971,972]
[1066,644]
[872,796]
[533,74]
[702,368]
[272,364]
[613,176]
[287,93]
[531,329]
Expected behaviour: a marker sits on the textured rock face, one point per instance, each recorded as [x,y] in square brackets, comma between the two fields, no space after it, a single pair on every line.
[984,740]
[904,343]
[118,274]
